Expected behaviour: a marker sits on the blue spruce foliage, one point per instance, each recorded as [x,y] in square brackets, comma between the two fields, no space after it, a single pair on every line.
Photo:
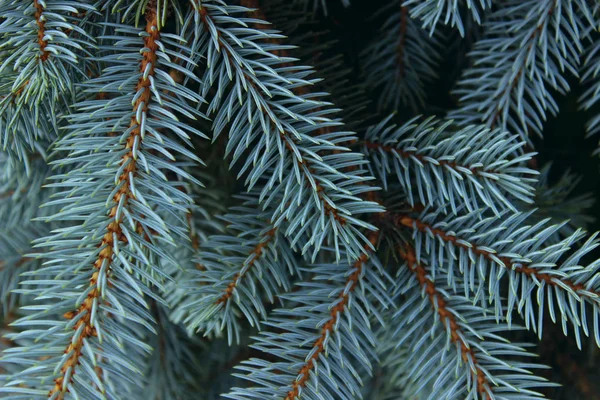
[205,199]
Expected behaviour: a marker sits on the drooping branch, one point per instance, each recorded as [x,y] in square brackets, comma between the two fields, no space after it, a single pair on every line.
[289,142]
[84,328]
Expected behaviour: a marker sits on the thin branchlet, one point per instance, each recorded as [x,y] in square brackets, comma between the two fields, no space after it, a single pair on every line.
[257,252]
[327,330]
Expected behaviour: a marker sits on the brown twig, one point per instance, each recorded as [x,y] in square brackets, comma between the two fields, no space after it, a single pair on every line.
[406,221]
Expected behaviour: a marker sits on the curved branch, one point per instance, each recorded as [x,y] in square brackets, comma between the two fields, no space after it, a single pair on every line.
[303,164]
[257,252]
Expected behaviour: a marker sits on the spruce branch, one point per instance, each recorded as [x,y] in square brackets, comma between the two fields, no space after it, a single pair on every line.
[476,379]
[128,180]
[40,56]
[85,313]
[251,263]
[282,127]
[447,12]
[472,348]
[402,60]
[487,249]
[522,56]
[150,273]
[338,302]
[461,168]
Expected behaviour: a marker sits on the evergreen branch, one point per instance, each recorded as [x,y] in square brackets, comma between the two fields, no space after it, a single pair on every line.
[447,12]
[282,144]
[489,248]
[477,378]
[102,109]
[462,168]
[521,57]
[472,344]
[39,56]
[590,78]
[401,60]
[255,255]
[327,330]
[103,265]
[316,48]
[338,303]
[124,187]
[252,262]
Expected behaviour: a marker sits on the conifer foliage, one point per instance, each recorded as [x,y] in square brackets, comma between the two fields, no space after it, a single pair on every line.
[204,199]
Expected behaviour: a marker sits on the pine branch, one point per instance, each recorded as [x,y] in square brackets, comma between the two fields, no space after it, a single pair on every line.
[130,250]
[338,303]
[467,167]
[85,313]
[280,126]
[39,55]
[487,249]
[251,263]
[401,61]
[472,347]
[447,12]
[522,56]
[123,236]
